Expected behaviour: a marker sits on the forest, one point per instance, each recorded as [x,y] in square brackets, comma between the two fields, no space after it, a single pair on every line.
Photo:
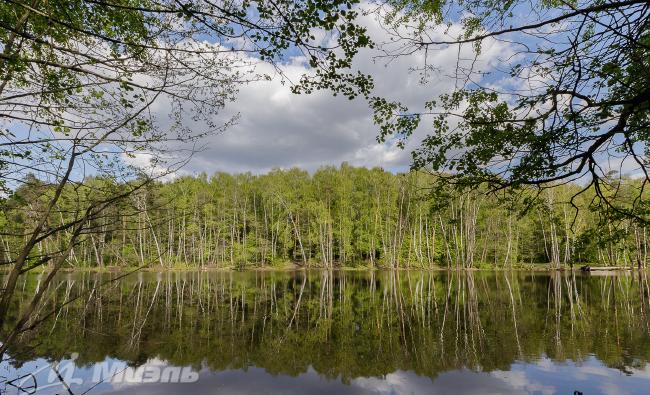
[334,217]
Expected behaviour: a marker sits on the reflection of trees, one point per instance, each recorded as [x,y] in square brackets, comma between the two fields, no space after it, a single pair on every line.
[344,324]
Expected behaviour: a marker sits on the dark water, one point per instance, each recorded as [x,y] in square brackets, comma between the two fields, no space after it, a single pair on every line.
[337,333]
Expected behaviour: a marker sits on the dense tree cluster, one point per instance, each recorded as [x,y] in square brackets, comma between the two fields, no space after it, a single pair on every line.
[344,216]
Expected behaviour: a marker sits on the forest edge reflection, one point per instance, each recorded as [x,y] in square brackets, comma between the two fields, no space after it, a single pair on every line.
[343,325]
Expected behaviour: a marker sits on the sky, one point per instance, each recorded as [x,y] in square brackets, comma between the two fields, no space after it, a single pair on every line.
[537,376]
[278,129]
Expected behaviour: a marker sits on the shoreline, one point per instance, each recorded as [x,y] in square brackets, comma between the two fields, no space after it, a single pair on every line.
[587,269]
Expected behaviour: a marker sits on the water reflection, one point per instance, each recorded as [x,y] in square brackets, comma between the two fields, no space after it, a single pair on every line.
[349,332]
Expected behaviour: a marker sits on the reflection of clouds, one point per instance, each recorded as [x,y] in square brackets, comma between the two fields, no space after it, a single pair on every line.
[546,364]
[259,381]
[544,377]
[456,382]
[595,371]
[516,379]
[520,382]
[641,373]
[137,377]
[399,382]
[80,378]
[591,376]
[613,389]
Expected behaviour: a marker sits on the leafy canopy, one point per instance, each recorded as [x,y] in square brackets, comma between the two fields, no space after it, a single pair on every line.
[567,100]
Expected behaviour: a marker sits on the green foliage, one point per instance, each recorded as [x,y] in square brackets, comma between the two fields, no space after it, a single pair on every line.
[346,216]
[568,97]
[343,324]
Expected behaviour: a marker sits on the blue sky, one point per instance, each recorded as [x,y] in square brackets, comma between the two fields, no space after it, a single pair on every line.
[277,129]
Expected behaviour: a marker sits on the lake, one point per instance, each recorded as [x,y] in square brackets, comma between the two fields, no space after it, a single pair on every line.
[343,332]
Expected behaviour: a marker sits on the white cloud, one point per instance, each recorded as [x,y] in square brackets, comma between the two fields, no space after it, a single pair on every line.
[520,381]
[279,129]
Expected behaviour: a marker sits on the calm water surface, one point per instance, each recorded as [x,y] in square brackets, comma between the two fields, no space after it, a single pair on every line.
[340,333]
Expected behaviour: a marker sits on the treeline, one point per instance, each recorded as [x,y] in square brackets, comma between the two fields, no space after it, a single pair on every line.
[344,216]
